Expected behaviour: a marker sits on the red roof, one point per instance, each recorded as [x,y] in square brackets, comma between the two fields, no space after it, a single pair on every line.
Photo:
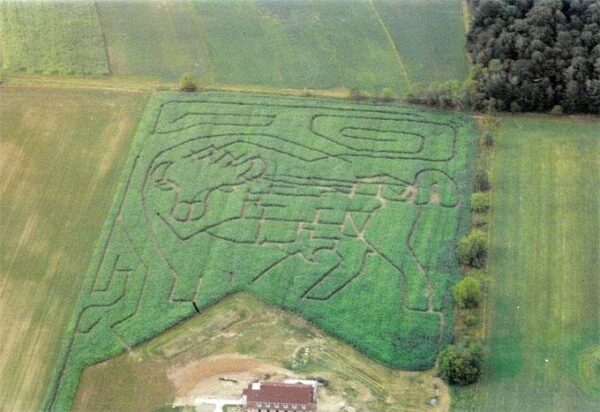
[297,393]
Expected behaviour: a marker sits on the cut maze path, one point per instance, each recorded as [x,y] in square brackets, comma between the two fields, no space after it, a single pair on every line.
[231,192]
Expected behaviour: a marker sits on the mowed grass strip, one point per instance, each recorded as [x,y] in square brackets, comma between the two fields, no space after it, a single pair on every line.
[544,330]
[61,154]
[52,37]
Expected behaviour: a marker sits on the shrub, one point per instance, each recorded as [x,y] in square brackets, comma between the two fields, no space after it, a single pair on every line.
[186,83]
[479,220]
[467,292]
[472,249]
[482,181]
[357,94]
[387,95]
[461,364]
[446,95]
[472,320]
[515,107]
[557,110]
[480,202]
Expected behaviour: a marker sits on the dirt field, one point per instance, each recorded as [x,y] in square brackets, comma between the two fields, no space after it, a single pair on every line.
[243,339]
[60,153]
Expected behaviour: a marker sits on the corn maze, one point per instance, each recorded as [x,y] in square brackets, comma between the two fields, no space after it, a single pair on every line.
[346,214]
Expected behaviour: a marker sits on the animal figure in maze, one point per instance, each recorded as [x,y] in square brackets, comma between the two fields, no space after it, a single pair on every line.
[324,208]
[318,218]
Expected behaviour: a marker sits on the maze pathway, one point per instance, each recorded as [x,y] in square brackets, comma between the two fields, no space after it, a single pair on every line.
[346,214]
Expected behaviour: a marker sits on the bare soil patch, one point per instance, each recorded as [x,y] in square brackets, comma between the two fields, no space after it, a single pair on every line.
[242,339]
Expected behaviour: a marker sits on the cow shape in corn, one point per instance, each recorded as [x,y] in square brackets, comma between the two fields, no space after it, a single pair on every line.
[233,194]
[346,214]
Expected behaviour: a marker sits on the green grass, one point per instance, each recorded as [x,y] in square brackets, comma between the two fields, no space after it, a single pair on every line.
[60,160]
[291,199]
[298,44]
[544,263]
[52,37]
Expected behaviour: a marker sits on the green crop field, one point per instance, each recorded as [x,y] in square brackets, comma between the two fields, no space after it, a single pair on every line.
[324,44]
[153,38]
[544,352]
[429,37]
[61,154]
[52,37]
[303,44]
[346,214]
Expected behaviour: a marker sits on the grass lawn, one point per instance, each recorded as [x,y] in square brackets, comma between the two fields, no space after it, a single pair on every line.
[61,155]
[544,330]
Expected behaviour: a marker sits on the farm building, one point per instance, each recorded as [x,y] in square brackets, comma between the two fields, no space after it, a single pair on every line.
[280,397]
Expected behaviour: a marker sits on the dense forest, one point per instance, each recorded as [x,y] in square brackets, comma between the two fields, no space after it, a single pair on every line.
[536,55]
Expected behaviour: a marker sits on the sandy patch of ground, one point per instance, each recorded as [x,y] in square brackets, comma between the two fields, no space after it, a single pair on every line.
[203,378]
[242,339]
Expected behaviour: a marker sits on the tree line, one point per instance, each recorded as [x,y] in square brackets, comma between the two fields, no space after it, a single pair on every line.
[536,55]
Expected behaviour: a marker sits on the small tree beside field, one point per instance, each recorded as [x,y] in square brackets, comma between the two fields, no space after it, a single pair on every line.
[186,83]
[480,202]
[482,181]
[467,292]
[461,364]
[472,249]
[387,94]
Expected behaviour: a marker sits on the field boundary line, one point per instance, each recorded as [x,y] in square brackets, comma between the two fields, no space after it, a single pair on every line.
[466,16]
[393,44]
[486,319]
[66,86]
[487,311]
[108,63]
[201,28]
